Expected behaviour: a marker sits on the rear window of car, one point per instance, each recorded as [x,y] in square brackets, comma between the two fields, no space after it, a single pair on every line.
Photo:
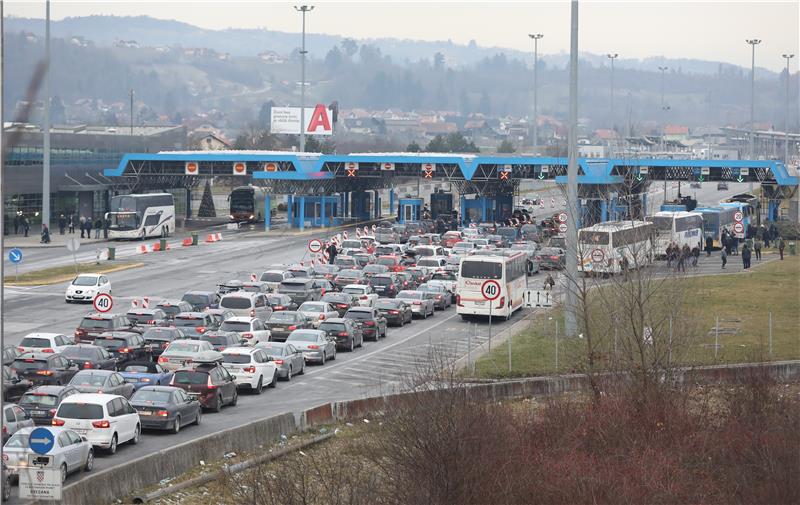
[79,353]
[100,324]
[38,399]
[358,314]
[34,342]
[170,310]
[273,350]
[237,359]
[80,411]
[182,347]
[411,295]
[281,316]
[139,318]
[332,327]
[386,304]
[235,302]
[137,369]
[336,298]
[110,343]
[382,281]
[88,379]
[181,322]
[293,287]
[151,396]
[190,377]
[216,339]
[29,364]
[235,326]
[159,334]
[196,299]
[272,277]
[353,291]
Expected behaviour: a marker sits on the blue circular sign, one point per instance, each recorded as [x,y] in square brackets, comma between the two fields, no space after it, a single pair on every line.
[15,255]
[41,440]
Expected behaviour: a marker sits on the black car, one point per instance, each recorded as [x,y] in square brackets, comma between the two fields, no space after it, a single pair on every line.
[44,368]
[102,381]
[146,317]
[165,408]
[339,301]
[302,289]
[386,285]
[13,385]
[326,271]
[195,324]
[221,340]
[201,300]
[407,280]
[397,312]
[90,357]
[280,302]
[93,325]
[125,347]
[347,332]
[373,324]
[159,338]
[281,323]
[374,269]
[42,402]
[10,353]
[174,307]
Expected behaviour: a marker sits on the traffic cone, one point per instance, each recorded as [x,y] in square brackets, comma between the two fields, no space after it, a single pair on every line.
[156,247]
[210,238]
[187,242]
[141,249]
[218,237]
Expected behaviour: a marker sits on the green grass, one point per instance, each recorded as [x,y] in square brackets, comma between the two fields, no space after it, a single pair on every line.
[742,301]
[67,272]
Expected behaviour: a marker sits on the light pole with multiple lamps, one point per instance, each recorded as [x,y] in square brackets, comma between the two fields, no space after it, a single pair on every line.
[303,9]
[753,43]
[786,111]
[535,37]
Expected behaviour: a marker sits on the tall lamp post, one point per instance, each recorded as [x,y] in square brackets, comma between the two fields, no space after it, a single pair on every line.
[131,95]
[753,43]
[535,37]
[663,111]
[303,9]
[612,57]
[571,312]
[786,112]
[46,126]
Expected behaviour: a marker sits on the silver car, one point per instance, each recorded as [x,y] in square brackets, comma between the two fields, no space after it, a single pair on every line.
[71,452]
[421,304]
[287,358]
[315,345]
[316,312]
[14,419]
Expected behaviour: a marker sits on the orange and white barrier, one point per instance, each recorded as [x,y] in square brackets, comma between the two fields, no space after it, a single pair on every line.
[218,237]
[211,238]
[187,242]
[141,249]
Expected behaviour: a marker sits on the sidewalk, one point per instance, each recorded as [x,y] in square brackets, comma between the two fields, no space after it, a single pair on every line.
[33,241]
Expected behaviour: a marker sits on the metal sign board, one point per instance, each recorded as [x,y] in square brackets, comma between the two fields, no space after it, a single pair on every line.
[387,166]
[239,168]
[562,228]
[705,170]
[562,217]
[744,171]
[15,256]
[490,290]
[535,298]
[598,255]
[644,170]
[191,168]
[319,120]
[41,440]
[73,244]
[738,228]
[103,302]
[314,245]
[40,483]
[738,216]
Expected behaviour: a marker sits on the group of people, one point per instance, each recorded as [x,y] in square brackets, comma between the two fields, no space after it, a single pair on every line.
[21,224]
[85,224]
[680,255]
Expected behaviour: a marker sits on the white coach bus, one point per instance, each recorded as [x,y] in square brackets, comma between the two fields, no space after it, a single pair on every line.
[141,216]
[510,272]
[681,228]
[613,246]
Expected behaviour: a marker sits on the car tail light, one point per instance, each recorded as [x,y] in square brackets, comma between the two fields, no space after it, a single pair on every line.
[247,335]
[313,346]
[125,350]
[162,359]
[391,286]
[163,413]
[369,323]
[342,334]
[405,283]
[54,422]
[87,364]
[417,303]
[363,297]
[151,321]
[80,333]
[220,348]
[5,432]
[250,369]
[322,317]
[502,301]
[101,424]
[209,385]
[278,361]
[538,257]
[278,307]
[200,329]
[554,258]
[394,312]
[438,297]
[342,305]
[293,327]
[44,372]
[252,312]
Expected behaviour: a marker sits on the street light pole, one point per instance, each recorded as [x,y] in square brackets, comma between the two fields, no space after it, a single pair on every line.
[786,112]
[303,9]
[753,43]
[535,37]
[131,94]
[46,126]
[663,111]
[570,314]
[612,57]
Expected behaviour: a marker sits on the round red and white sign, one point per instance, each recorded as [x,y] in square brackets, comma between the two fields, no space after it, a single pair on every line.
[191,167]
[239,168]
[351,165]
[738,228]
[562,228]
[102,302]
[738,216]
[598,255]
[271,167]
[562,217]
[314,245]
[490,290]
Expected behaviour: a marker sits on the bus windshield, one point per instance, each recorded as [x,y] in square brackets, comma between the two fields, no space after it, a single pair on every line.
[593,237]
[124,220]
[242,200]
[481,270]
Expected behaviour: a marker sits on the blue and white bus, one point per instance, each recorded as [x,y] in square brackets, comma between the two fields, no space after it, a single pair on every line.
[747,205]
[681,228]
[141,216]
[716,219]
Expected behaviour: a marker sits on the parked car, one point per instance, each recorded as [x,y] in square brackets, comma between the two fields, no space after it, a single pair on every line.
[432,262]
[124,347]
[386,285]
[347,333]
[159,338]
[442,297]
[42,402]
[315,345]
[397,312]
[209,381]
[145,373]
[146,317]
[174,307]
[365,295]
[420,274]
[316,312]
[105,420]
[246,304]
[252,330]
[14,419]
[282,323]
[90,356]
[44,368]
[280,302]
[71,452]
[251,367]
[13,385]
[373,324]
[551,258]
[85,287]
[180,352]
[201,300]
[93,325]
[339,301]
[221,340]
[421,305]
[166,408]
[374,269]
[287,358]
[102,381]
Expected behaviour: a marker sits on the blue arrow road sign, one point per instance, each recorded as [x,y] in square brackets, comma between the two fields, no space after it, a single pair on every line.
[41,440]
[15,255]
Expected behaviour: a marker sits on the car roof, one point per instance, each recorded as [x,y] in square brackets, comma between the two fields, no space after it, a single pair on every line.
[43,335]
[96,372]
[240,294]
[334,320]
[49,389]
[99,316]
[205,293]
[169,303]
[88,274]
[360,286]
[167,389]
[90,398]
[240,350]
[359,309]
[241,319]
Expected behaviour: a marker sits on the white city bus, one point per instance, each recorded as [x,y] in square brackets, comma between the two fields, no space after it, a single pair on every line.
[141,216]
[681,228]
[507,268]
[613,246]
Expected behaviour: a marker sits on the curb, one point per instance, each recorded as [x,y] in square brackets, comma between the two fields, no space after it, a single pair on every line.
[57,280]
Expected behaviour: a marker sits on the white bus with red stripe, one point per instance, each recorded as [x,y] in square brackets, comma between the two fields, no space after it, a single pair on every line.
[509,269]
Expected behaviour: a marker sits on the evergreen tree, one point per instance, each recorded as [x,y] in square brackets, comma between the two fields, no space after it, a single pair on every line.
[207,203]
[413,147]
[506,147]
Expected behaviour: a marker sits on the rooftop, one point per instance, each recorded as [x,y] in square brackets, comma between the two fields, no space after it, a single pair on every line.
[138,131]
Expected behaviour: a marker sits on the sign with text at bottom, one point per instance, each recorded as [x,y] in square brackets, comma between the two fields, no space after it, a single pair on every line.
[534,298]
[40,483]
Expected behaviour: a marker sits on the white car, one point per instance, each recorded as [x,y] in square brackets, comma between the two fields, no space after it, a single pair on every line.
[180,352]
[366,297]
[85,287]
[44,342]
[251,329]
[250,367]
[70,453]
[432,262]
[105,420]
[317,312]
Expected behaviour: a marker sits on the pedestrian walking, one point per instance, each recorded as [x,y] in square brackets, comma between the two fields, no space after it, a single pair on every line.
[765,235]
[670,255]
[735,241]
[106,226]
[746,257]
[757,248]
[98,227]
[332,253]
[16,224]
[781,245]
[83,225]
[681,266]
[26,225]
[62,224]
[695,255]
[549,283]
[724,256]
[88,225]
[72,223]
[709,245]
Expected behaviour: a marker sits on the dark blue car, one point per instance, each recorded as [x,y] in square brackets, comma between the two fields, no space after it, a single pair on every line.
[145,373]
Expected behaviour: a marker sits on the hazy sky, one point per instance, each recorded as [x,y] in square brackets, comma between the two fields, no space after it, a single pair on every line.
[712,30]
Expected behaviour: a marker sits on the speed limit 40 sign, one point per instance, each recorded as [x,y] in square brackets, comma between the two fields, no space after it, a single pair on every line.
[490,290]
[102,302]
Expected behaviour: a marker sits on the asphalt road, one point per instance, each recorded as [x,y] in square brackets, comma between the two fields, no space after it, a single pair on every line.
[377,368]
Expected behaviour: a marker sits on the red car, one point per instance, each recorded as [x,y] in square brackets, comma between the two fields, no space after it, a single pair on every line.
[450,238]
[392,261]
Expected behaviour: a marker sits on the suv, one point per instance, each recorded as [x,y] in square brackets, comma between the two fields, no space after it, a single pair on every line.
[42,402]
[247,304]
[160,337]
[301,289]
[89,356]
[125,346]
[105,420]
[174,307]
[371,321]
[194,324]
[93,325]
[251,329]
[208,381]
[347,332]
[201,300]
[386,285]
[146,317]
[273,278]
[44,368]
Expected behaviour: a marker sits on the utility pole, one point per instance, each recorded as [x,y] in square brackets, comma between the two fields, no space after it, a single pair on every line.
[535,37]
[131,94]
[46,127]
[612,57]
[663,113]
[303,9]
[570,314]
[786,112]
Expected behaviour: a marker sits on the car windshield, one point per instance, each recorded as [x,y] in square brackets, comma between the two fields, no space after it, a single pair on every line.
[272,276]
[88,379]
[282,317]
[34,342]
[18,441]
[235,326]
[96,323]
[332,327]
[190,377]
[136,369]
[149,396]
[312,307]
[182,347]
[29,364]
[85,280]
[235,302]
[302,336]
[75,352]
[196,299]
[80,411]
[353,291]
[236,358]
[38,399]
[110,343]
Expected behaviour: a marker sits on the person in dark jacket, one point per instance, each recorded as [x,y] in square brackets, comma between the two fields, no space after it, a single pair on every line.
[709,245]
[26,225]
[88,226]
[72,220]
[695,255]
[746,257]
[106,226]
[45,234]
[757,248]
[332,253]
[98,227]
[16,224]
[724,256]
[82,225]
[781,246]
[62,224]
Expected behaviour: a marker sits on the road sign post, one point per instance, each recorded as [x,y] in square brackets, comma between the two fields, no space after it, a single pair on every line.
[490,290]
[73,244]
[102,302]
[15,257]
[314,246]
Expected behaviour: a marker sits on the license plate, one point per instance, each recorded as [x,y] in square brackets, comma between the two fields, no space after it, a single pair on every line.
[145,412]
[480,303]
[277,328]
[80,431]
[37,412]
[192,394]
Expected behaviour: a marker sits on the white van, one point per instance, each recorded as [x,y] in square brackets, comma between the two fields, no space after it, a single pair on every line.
[246,304]
[105,420]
